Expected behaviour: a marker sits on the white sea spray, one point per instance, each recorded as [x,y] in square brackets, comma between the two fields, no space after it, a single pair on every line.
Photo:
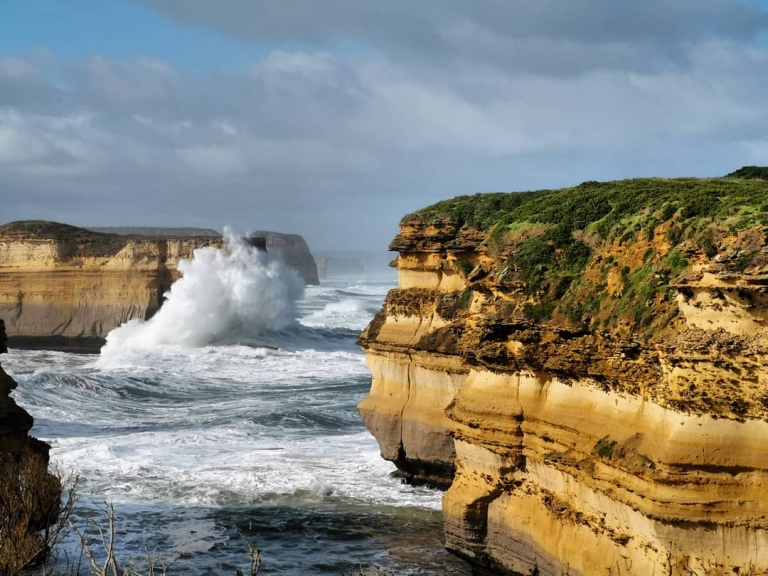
[224,294]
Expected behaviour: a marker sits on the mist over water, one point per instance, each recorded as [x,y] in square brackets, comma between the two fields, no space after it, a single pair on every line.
[235,405]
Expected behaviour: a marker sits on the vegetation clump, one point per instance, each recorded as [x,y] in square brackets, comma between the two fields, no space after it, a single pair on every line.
[548,241]
[760,172]
[32,515]
[605,205]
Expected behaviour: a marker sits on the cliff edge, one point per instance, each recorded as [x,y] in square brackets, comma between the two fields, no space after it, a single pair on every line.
[586,369]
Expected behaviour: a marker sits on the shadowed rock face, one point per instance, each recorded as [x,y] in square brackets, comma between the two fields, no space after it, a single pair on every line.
[628,439]
[15,422]
[30,496]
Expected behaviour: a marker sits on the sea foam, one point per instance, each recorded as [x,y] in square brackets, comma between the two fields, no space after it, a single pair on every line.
[223,296]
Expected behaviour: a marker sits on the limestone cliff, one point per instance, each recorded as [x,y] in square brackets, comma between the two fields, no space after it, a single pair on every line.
[58,280]
[586,369]
[61,284]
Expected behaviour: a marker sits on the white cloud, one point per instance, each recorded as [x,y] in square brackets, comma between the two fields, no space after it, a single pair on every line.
[19,147]
[225,127]
[139,82]
[15,67]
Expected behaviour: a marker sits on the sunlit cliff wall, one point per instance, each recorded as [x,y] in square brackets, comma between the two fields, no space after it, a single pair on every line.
[67,283]
[586,370]
[57,280]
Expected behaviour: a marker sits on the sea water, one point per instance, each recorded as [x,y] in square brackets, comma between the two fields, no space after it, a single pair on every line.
[234,407]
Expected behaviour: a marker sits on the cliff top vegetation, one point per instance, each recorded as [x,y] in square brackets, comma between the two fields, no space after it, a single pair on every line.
[604,254]
[45,229]
[750,172]
[605,204]
[79,242]
[83,242]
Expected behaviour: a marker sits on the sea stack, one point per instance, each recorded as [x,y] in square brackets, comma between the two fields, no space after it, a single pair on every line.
[586,369]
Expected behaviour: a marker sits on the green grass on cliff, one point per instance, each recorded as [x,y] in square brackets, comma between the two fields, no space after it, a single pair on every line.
[47,230]
[548,238]
[760,172]
[605,204]
[82,242]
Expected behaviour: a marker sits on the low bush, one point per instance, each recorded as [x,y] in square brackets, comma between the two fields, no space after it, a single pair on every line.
[33,517]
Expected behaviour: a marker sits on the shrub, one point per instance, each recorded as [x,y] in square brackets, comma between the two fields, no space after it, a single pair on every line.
[32,515]
[750,172]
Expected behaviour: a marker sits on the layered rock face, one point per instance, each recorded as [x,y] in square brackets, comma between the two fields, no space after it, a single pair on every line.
[586,369]
[57,280]
[59,283]
[292,248]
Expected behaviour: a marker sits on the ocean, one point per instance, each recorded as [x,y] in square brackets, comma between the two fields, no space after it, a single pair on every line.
[234,407]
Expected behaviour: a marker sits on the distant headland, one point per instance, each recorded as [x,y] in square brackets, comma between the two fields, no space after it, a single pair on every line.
[63,286]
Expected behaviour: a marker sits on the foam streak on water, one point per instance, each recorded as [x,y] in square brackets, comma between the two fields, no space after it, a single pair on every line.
[189,432]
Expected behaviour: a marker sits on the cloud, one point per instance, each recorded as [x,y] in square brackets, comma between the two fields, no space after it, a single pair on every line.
[142,81]
[511,34]
[419,103]
[214,160]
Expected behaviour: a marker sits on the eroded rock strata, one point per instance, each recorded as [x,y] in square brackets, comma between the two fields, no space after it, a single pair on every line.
[58,280]
[586,369]
[61,284]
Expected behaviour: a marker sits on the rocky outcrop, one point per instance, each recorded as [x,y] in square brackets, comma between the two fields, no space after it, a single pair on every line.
[29,494]
[62,286]
[586,369]
[15,422]
[293,249]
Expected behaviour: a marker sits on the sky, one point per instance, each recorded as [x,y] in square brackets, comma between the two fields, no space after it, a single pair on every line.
[335,118]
